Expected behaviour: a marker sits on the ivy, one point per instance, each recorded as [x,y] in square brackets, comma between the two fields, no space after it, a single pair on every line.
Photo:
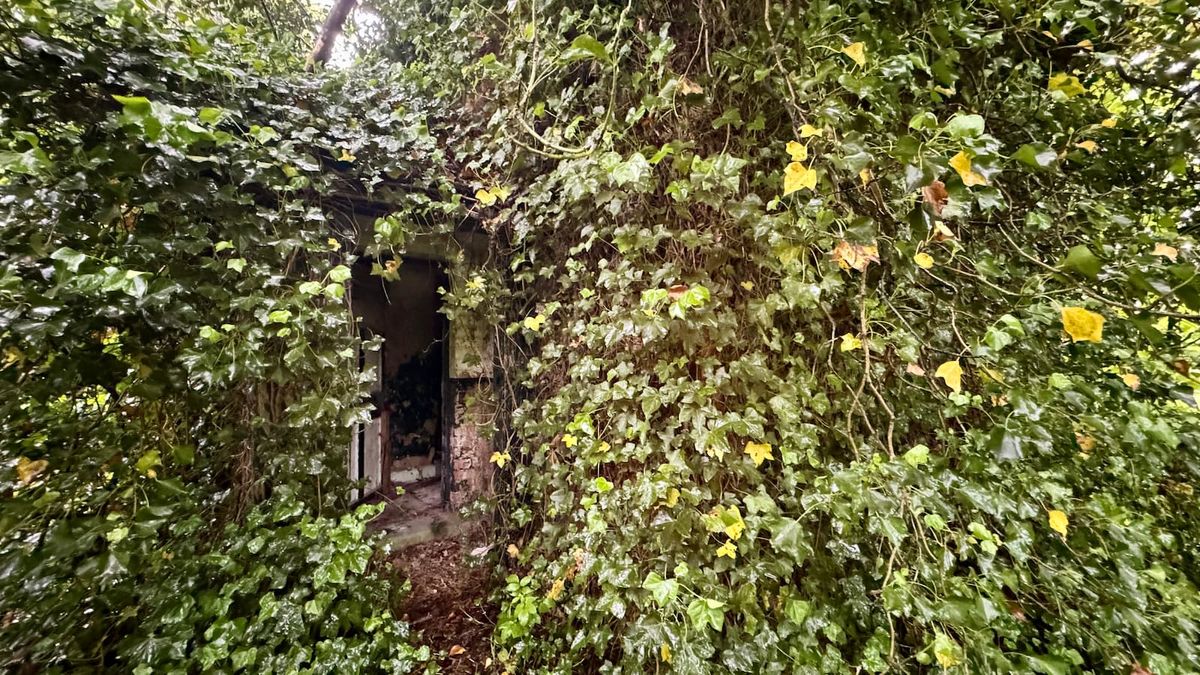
[904,255]
[178,376]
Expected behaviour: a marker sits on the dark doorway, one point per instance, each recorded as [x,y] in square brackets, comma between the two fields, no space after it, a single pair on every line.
[408,391]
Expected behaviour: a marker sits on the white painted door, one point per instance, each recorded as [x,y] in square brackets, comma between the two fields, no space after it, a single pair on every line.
[366,445]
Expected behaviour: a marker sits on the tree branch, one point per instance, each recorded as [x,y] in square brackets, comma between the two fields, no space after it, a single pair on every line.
[330,31]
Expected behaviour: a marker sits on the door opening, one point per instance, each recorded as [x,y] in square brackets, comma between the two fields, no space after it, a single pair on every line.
[408,416]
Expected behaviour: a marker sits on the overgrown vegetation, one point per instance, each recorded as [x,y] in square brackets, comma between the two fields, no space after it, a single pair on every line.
[818,380]
[841,337]
[179,370]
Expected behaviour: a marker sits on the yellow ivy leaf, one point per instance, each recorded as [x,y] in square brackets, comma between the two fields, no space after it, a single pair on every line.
[850,343]
[513,551]
[727,550]
[923,260]
[485,197]
[945,651]
[664,652]
[962,164]
[865,176]
[735,530]
[1166,251]
[951,372]
[28,470]
[856,51]
[500,193]
[1090,146]
[334,244]
[346,156]
[855,256]
[759,452]
[1085,44]
[1086,443]
[808,130]
[672,497]
[797,176]
[1069,85]
[569,440]
[534,323]
[475,283]
[1109,123]
[556,589]
[1082,324]
[1058,522]
[797,151]
[500,458]
[748,285]
[1131,380]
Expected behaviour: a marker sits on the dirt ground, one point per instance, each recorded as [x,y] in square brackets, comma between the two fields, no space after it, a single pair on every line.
[448,603]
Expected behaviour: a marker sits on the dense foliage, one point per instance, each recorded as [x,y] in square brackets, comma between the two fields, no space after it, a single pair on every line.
[859,333]
[179,369]
[841,337]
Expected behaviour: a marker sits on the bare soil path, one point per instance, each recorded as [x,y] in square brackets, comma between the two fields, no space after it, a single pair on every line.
[447,605]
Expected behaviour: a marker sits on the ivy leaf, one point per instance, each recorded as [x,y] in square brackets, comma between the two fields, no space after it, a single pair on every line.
[951,372]
[856,51]
[797,151]
[923,260]
[855,256]
[28,470]
[1082,324]
[339,274]
[662,590]
[791,538]
[797,176]
[759,452]
[1081,259]
[808,131]
[946,651]
[1036,155]
[136,106]
[850,342]
[962,164]
[706,612]
[727,550]
[1058,521]
[585,47]
[965,126]
[917,455]
[1068,85]
[796,610]
[1165,251]
[70,257]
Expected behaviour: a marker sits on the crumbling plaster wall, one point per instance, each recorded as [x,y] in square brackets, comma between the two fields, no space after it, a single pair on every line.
[471,442]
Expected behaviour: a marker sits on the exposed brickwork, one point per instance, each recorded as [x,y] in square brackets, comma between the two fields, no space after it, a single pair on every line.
[470,442]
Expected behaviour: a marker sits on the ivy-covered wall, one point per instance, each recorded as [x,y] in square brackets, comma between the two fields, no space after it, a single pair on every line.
[841,336]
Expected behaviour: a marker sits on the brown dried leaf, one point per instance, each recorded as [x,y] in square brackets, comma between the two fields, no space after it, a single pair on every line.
[855,256]
[935,195]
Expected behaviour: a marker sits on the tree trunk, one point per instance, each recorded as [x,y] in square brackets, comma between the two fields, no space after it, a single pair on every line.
[330,31]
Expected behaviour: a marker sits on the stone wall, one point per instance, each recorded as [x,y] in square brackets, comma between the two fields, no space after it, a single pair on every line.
[471,442]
